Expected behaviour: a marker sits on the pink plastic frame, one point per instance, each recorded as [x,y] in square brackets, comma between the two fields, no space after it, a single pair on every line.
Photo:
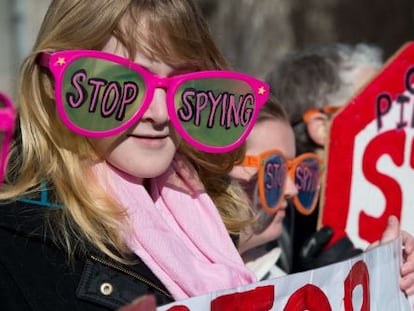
[57,63]
[7,122]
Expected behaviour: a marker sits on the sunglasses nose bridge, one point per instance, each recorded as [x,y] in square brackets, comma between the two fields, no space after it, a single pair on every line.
[291,189]
[162,83]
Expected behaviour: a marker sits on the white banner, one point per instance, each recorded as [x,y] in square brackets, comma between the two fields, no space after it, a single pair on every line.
[367,282]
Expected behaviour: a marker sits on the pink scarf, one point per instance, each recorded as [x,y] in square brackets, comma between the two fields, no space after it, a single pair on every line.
[177,231]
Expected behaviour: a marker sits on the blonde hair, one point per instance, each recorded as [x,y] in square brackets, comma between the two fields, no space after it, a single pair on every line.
[46,151]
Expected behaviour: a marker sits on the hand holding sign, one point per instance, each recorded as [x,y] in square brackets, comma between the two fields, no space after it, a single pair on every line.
[391,232]
[407,268]
[143,303]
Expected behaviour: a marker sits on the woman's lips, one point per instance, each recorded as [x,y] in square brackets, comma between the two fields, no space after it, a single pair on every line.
[150,140]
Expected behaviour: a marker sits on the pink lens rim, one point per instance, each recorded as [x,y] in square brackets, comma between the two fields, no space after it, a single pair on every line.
[53,61]
[7,124]
[58,62]
[261,95]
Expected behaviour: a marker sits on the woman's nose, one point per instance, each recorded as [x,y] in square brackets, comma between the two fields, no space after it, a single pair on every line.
[157,111]
[290,189]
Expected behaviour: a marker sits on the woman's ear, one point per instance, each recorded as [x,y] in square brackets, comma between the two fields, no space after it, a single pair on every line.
[317,129]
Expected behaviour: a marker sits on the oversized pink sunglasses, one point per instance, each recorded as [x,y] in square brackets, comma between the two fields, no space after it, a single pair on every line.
[99,94]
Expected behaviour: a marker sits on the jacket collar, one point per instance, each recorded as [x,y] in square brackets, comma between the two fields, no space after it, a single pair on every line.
[29,219]
[27,215]
[24,218]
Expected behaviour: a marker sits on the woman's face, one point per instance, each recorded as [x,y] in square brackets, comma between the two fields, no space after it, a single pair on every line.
[266,135]
[147,148]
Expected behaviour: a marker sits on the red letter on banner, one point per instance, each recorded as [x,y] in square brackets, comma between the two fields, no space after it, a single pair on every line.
[258,299]
[178,308]
[357,276]
[308,297]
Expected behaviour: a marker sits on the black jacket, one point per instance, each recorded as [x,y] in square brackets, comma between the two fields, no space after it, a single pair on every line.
[35,273]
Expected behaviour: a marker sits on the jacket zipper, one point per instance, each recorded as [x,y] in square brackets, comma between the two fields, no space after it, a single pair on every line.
[133,274]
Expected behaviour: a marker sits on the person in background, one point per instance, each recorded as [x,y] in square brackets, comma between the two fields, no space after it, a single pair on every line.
[270,166]
[254,241]
[117,184]
[312,85]
[257,242]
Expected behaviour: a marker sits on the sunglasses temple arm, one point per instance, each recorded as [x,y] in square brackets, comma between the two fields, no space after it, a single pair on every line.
[43,59]
[252,161]
[7,117]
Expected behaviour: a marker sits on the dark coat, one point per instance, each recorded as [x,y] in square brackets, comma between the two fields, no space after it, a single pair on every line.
[35,273]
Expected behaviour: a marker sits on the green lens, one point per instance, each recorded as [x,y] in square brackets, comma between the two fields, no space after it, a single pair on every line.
[215,111]
[100,95]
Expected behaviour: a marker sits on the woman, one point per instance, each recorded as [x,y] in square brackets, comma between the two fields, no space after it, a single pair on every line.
[104,201]
[254,241]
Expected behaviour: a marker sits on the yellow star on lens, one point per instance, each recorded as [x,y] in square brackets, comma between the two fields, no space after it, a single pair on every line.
[61,61]
[262,90]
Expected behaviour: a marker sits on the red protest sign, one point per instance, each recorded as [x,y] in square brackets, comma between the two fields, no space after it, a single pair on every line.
[370,157]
